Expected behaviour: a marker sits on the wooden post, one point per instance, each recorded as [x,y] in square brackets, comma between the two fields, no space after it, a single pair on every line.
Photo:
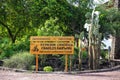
[70,62]
[36,62]
[79,54]
[66,63]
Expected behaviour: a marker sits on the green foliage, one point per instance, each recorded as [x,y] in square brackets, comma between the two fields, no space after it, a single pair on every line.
[88,15]
[14,18]
[76,51]
[80,36]
[32,67]
[109,21]
[48,69]
[50,28]
[104,54]
[6,54]
[4,48]
[20,60]
[25,17]
[84,55]
[7,49]
[79,3]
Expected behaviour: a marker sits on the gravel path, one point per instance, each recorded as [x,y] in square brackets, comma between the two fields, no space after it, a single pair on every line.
[10,75]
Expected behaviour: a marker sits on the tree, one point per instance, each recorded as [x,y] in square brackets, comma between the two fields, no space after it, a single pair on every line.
[14,17]
[110,25]
[22,17]
[50,28]
[116,37]
[117,3]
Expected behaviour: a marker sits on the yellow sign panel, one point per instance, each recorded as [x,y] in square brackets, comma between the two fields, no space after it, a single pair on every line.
[52,45]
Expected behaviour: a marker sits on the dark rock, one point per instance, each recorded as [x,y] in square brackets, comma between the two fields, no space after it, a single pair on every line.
[1,63]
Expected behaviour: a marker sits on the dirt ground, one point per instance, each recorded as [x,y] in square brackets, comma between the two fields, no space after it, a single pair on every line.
[11,75]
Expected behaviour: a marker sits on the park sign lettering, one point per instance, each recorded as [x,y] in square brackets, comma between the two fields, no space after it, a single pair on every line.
[51,44]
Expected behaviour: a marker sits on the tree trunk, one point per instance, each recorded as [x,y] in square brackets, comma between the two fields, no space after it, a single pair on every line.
[11,35]
[98,51]
[79,54]
[90,51]
[117,4]
[115,52]
[113,48]
[93,57]
[116,39]
[117,48]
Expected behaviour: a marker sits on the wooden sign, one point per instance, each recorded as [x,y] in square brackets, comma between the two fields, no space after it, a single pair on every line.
[51,45]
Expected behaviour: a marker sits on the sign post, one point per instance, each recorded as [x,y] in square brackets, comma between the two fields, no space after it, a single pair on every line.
[66,63]
[52,45]
[36,62]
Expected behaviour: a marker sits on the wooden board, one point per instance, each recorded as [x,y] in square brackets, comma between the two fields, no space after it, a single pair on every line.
[52,45]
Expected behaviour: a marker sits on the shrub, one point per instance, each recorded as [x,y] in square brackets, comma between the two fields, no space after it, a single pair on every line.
[84,55]
[8,49]
[32,67]
[20,60]
[5,50]
[104,54]
[48,69]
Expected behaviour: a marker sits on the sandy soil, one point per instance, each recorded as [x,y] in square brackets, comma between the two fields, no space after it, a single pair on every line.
[11,75]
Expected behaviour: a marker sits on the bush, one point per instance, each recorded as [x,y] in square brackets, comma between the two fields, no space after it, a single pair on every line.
[48,69]
[8,49]
[6,53]
[20,60]
[84,55]
[5,50]
[33,67]
[104,54]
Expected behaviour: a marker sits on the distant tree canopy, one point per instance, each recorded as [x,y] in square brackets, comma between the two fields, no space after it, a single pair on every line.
[109,21]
